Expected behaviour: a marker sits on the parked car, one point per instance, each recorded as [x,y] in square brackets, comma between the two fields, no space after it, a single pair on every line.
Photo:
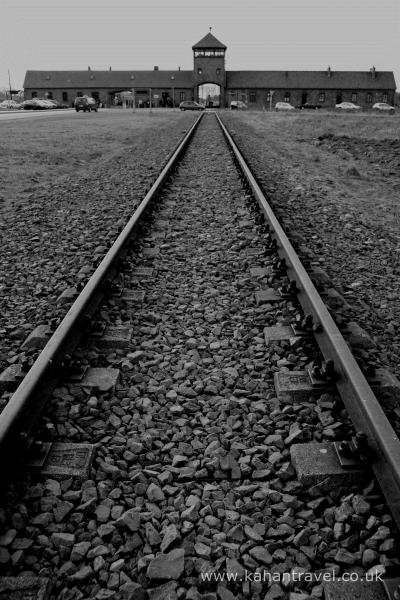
[347,106]
[191,105]
[85,103]
[309,106]
[284,106]
[10,104]
[37,104]
[238,105]
[383,107]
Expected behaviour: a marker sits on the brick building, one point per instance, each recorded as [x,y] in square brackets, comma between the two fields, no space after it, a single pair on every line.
[211,84]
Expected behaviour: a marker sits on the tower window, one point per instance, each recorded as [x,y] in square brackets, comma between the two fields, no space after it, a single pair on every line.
[199,71]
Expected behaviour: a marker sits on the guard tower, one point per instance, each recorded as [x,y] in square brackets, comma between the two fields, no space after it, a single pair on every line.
[209,65]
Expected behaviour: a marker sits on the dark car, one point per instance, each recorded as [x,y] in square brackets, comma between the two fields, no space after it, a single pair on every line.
[309,106]
[85,103]
[190,105]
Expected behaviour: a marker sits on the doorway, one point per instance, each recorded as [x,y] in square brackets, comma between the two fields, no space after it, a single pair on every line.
[210,95]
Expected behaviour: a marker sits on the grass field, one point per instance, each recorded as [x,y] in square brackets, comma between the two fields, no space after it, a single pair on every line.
[40,150]
[354,158]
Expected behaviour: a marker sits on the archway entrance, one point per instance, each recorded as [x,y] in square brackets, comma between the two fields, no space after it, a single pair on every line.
[210,95]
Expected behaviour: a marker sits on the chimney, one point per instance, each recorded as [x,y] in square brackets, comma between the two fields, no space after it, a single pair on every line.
[109,68]
[329,72]
[88,68]
[179,68]
[373,72]
[156,67]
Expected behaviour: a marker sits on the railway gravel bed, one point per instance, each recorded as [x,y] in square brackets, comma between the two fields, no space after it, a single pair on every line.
[339,192]
[53,236]
[192,481]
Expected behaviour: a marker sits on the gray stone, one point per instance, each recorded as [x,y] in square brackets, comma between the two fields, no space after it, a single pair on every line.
[359,590]
[98,379]
[66,540]
[133,296]
[277,333]
[130,519]
[167,591]
[260,272]
[114,337]
[268,295]
[25,588]
[143,273]
[261,555]
[171,535]
[167,566]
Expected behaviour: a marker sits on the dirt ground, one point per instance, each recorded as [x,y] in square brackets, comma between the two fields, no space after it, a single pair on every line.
[40,150]
[337,177]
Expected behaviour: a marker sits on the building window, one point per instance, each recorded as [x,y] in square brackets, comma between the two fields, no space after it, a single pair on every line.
[79,94]
[218,72]
[321,97]
[369,98]
[34,94]
[199,71]
[384,97]
[354,96]
[181,96]
[286,97]
[252,97]
[65,96]
[268,97]
[49,95]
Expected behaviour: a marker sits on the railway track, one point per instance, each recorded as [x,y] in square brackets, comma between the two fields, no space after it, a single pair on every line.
[189,418]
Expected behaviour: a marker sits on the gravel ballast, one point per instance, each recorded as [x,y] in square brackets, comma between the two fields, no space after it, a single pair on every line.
[192,476]
[57,230]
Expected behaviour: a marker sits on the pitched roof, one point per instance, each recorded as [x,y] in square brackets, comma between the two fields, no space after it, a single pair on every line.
[208,41]
[311,79]
[107,79]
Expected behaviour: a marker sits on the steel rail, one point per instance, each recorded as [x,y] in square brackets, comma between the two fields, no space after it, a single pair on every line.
[21,411]
[358,397]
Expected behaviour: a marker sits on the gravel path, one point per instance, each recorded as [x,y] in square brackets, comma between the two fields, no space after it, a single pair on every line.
[192,474]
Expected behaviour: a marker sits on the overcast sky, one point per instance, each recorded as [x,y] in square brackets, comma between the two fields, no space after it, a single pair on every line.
[138,34]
